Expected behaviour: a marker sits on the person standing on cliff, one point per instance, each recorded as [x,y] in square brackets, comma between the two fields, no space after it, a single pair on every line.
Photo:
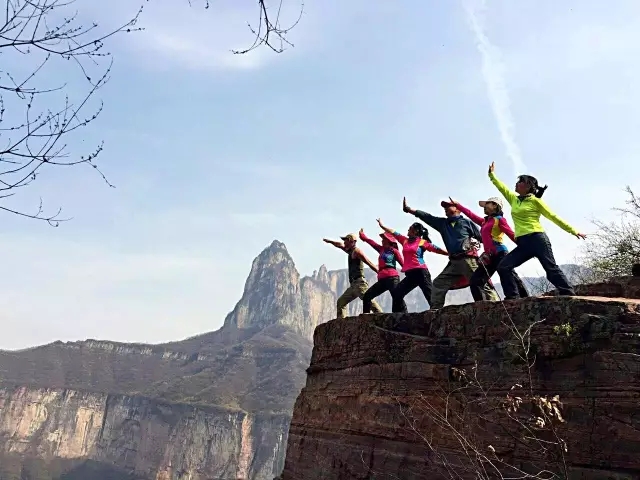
[357,282]
[462,239]
[388,276]
[414,246]
[493,228]
[531,239]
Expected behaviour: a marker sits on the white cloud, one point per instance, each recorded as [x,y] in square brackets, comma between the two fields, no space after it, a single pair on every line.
[493,73]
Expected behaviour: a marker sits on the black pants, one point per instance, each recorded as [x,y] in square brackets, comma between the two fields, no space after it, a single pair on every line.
[529,246]
[378,288]
[481,276]
[416,277]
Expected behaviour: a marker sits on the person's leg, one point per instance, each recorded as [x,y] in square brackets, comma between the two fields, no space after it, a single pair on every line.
[349,295]
[487,290]
[403,288]
[396,305]
[372,292]
[506,268]
[480,277]
[426,285]
[544,253]
[442,283]
[522,289]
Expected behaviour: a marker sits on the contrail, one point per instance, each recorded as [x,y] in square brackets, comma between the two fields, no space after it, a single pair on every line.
[493,73]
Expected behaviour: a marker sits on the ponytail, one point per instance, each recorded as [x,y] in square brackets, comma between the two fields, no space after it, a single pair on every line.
[532,182]
[422,231]
[539,191]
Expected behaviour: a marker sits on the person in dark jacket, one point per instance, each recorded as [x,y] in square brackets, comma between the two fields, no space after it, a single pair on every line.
[462,240]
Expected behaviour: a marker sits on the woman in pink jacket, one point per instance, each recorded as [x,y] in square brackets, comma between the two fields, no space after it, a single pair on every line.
[388,276]
[493,228]
[414,246]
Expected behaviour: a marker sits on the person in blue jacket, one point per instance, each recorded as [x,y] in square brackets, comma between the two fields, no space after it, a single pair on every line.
[462,240]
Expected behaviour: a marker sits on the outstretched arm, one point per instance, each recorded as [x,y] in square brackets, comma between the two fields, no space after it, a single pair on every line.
[432,247]
[364,258]
[376,246]
[508,194]
[335,243]
[434,222]
[464,210]
[544,209]
[401,238]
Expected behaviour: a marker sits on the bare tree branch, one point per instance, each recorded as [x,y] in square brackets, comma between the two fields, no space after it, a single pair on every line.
[615,248]
[34,34]
[270,32]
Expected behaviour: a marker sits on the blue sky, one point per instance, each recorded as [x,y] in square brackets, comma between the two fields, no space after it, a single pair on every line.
[215,155]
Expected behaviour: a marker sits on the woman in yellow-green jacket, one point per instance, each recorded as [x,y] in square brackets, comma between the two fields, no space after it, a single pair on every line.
[530,237]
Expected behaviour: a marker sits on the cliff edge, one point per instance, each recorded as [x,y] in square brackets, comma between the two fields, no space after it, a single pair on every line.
[541,384]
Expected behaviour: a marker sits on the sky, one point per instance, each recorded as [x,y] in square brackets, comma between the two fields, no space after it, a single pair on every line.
[215,155]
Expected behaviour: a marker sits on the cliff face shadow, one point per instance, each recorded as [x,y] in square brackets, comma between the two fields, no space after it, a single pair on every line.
[14,467]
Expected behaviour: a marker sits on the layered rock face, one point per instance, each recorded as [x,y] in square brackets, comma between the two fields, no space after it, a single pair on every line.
[135,434]
[450,393]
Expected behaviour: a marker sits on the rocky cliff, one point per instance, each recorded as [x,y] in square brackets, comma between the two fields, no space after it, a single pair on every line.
[139,435]
[545,384]
[213,406]
[217,405]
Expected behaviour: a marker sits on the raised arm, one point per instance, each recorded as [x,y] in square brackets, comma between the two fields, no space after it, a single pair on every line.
[508,194]
[544,210]
[506,229]
[401,238]
[436,223]
[335,243]
[376,246]
[364,258]
[464,210]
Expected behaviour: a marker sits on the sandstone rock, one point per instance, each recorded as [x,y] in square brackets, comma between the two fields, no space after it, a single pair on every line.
[378,385]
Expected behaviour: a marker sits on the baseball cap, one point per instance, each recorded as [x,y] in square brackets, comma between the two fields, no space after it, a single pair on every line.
[445,204]
[349,237]
[496,200]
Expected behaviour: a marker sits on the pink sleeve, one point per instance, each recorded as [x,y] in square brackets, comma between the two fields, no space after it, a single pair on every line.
[399,258]
[375,245]
[472,216]
[435,249]
[401,238]
[504,226]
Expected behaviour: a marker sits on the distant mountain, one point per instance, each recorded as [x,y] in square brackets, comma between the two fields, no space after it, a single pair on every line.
[216,405]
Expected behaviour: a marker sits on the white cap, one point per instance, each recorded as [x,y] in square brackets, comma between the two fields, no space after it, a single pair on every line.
[496,200]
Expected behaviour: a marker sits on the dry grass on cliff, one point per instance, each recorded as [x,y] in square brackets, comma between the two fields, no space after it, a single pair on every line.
[481,423]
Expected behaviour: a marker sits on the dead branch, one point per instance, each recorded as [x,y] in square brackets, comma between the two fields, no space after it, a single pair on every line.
[270,32]
[36,36]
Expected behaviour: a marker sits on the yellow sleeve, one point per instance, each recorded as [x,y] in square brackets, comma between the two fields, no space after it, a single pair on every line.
[508,194]
[545,211]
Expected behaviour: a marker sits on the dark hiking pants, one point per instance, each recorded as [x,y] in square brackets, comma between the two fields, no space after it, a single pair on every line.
[416,277]
[377,289]
[533,245]
[481,277]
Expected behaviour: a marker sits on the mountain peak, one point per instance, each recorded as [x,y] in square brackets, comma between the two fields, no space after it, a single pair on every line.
[271,292]
[276,245]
